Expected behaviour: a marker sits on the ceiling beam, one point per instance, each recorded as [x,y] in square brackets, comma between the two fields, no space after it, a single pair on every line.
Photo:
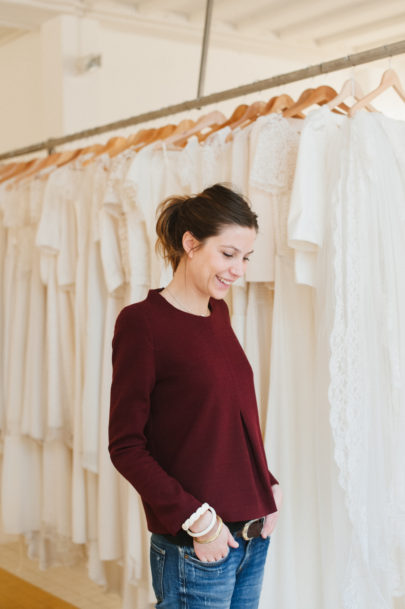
[280,15]
[222,37]
[392,26]
[376,41]
[337,19]
[16,24]
[166,6]
[55,6]
[12,34]
[225,10]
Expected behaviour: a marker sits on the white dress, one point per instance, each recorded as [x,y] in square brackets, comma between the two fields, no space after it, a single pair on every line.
[21,465]
[139,187]
[322,142]
[261,266]
[95,310]
[33,414]
[347,214]
[82,483]
[110,500]
[122,528]
[3,240]
[291,577]
[367,365]
[54,543]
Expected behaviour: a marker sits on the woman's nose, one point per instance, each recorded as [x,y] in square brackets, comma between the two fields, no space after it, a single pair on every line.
[238,268]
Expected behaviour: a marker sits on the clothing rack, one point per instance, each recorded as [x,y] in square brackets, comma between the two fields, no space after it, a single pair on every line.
[333,65]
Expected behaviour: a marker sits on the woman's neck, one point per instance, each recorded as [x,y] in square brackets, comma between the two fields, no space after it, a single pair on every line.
[181,293]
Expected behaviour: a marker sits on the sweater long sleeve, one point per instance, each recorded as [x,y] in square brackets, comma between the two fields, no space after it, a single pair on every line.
[132,385]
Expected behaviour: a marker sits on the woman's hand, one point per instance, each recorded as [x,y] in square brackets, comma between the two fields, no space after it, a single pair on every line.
[217,549]
[271,520]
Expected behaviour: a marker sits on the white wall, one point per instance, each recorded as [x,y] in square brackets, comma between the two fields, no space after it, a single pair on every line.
[142,73]
[138,73]
[21,102]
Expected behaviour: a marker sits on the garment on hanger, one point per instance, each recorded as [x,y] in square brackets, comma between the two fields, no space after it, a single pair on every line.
[359,235]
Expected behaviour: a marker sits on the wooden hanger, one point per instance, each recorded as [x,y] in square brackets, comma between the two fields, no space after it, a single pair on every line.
[20,167]
[321,95]
[40,164]
[389,79]
[9,168]
[350,88]
[281,103]
[163,132]
[93,149]
[136,139]
[183,126]
[270,103]
[67,156]
[214,118]
[251,113]
[113,144]
[236,115]
[297,106]
[147,139]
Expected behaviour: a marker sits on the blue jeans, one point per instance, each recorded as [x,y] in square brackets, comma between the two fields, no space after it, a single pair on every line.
[181,581]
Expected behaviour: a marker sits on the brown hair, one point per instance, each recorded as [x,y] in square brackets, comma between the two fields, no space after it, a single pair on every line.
[204,215]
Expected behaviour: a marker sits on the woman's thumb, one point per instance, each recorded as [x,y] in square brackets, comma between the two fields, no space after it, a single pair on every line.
[232,542]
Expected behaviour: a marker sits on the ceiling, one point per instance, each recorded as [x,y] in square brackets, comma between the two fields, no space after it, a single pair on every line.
[320,29]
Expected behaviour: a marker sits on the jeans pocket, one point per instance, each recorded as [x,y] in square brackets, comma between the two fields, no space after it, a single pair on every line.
[192,558]
[157,564]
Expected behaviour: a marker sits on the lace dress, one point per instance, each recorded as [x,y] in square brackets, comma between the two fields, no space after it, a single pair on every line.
[366,366]
[347,219]
[261,266]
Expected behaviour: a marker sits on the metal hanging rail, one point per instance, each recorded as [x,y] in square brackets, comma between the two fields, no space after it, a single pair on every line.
[389,50]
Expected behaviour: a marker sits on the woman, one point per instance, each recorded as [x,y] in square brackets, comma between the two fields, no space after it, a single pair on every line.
[184,426]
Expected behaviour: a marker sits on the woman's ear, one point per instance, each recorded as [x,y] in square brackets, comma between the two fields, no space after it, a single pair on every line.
[189,243]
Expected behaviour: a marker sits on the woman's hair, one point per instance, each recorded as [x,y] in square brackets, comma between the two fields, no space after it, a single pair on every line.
[204,215]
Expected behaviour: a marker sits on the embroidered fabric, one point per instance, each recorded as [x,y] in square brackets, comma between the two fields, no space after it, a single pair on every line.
[364,360]
[275,156]
[215,158]
[189,166]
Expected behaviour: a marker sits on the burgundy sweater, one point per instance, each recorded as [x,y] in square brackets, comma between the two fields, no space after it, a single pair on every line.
[184,426]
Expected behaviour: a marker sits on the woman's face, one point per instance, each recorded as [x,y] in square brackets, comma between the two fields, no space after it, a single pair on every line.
[219,261]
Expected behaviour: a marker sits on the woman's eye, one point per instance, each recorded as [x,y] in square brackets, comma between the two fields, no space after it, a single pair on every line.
[246,259]
[227,255]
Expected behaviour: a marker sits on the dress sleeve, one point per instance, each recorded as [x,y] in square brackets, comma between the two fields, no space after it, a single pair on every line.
[132,384]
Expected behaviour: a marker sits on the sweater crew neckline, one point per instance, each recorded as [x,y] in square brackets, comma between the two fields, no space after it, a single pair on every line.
[161,300]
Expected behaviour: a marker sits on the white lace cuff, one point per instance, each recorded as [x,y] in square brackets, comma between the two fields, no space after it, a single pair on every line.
[195,516]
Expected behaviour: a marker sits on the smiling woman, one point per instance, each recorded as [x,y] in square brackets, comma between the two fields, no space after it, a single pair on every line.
[184,427]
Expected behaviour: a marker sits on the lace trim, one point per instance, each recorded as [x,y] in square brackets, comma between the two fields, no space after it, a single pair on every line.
[275,155]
